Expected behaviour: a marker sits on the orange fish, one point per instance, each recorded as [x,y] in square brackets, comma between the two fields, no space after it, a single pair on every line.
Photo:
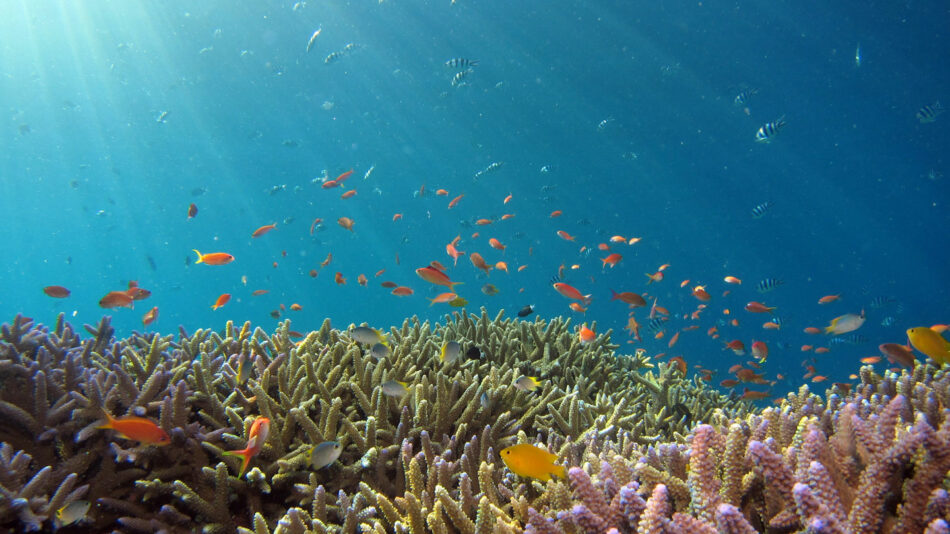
[737,346]
[822,350]
[295,307]
[771,325]
[361,280]
[679,362]
[496,244]
[564,235]
[522,267]
[435,276]
[760,350]
[348,194]
[453,252]
[700,293]
[436,265]
[611,259]
[812,330]
[338,278]
[556,213]
[342,178]
[655,277]
[871,359]
[192,211]
[501,266]
[345,222]
[507,199]
[136,292]
[455,201]
[585,335]
[758,307]
[213,258]
[603,246]
[673,341]
[507,216]
[478,261]
[634,240]
[116,299]
[828,298]
[57,292]
[819,378]
[617,239]
[150,317]
[327,261]
[222,300]
[732,280]
[330,184]
[575,306]
[441,193]
[263,230]
[443,298]
[397,216]
[256,437]
[379,273]
[806,348]
[402,291]
[138,429]
[633,299]
[571,293]
[484,222]
[748,394]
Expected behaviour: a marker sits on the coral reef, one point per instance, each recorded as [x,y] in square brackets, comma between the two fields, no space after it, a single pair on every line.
[55,385]
[648,450]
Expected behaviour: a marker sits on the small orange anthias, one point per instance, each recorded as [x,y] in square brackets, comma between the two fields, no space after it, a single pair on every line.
[137,428]
[256,437]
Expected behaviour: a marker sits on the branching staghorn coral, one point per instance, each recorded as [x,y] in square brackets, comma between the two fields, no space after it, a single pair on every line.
[206,388]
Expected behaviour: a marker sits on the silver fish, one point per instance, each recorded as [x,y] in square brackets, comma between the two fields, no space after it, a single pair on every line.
[73,512]
[313,38]
[325,454]
[450,352]
[395,388]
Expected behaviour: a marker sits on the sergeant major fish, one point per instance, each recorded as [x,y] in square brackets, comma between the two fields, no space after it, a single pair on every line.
[461,62]
[928,114]
[768,130]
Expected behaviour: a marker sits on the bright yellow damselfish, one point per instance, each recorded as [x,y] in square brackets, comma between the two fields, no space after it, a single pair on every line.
[930,343]
[526,460]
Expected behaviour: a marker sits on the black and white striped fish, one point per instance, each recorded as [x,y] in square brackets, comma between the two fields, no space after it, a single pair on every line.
[929,113]
[743,97]
[759,211]
[461,63]
[768,284]
[459,78]
[880,302]
[768,130]
[851,339]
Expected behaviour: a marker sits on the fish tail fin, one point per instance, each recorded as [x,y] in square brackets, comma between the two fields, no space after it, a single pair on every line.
[243,453]
[614,295]
[453,284]
[199,256]
[108,417]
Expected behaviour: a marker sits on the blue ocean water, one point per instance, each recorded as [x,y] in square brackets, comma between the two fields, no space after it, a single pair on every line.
[119,115]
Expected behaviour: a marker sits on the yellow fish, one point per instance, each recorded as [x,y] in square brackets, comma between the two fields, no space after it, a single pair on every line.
[930,343]
[526,460]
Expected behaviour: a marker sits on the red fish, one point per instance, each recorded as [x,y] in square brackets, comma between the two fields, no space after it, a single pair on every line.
[57,292]
[585,335]
[899,354]
[455,201]
[256,437]
[136,292]
[138,429]
[572,293]
[402,291]
[338,278]
[314,224]
[760,350]
[348,194]
[556,213]
[192,211]
[342,178]
[263,230]
[564,235]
